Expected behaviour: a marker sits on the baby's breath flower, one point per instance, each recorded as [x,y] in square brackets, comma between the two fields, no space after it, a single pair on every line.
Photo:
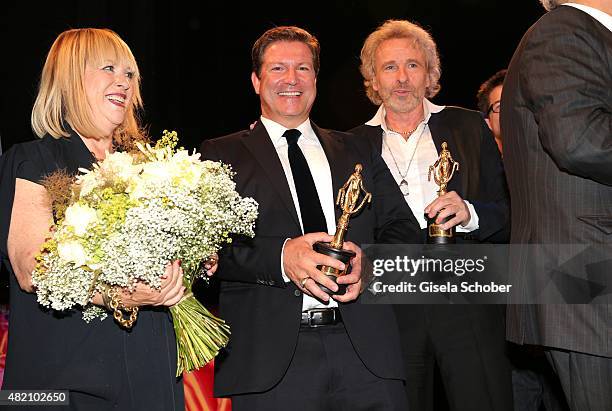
[133,215]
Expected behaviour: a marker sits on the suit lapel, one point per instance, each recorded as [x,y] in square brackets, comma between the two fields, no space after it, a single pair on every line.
[339,165]
[440,133]
[259,144]
[377,137]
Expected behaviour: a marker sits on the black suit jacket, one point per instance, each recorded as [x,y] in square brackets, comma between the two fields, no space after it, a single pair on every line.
[557,126]
[263,310]
[480,178]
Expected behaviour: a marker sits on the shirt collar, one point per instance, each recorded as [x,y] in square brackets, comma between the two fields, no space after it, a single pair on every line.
[428,107]
[602,17]
[276,131]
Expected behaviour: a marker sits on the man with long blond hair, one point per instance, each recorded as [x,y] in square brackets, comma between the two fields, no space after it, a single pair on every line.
[401,71]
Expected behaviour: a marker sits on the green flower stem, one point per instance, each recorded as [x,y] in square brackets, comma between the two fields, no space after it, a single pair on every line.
[199,334]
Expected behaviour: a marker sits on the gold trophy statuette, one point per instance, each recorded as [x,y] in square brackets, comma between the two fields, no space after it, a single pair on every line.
[442,170]
[348,197]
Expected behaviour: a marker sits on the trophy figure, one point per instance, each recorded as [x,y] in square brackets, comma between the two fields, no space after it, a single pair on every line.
[442,170]
[347,199]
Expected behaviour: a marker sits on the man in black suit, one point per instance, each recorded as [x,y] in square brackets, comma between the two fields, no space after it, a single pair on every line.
[401,69]
[292,346]
[556,120]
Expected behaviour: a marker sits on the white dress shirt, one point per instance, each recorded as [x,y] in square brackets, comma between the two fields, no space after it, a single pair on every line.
[321,174]
[601,16]
[398,152]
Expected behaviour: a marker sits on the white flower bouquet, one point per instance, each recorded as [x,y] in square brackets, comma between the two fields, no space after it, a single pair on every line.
[131,215]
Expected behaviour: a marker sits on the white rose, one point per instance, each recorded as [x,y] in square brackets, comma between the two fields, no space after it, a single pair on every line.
[87,183]
[120,165]
[137,189]
[79,217]
[156,172]
[185,169]
[73,252]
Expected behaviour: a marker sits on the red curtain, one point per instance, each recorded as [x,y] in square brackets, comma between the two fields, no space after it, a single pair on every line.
[198,391]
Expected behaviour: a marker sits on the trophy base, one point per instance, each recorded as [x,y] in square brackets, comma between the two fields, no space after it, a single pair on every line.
[436,235]
[341,287]
[331,273]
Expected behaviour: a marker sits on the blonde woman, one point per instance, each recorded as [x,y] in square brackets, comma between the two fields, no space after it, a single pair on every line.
[86,106]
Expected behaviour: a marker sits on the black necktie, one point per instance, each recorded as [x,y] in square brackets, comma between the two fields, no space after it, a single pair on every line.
[313,219]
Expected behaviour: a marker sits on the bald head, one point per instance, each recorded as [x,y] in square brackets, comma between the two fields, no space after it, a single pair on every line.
[551,4]
[602,5]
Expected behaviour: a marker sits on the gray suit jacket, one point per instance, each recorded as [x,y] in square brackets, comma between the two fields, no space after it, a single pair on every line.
[557,127]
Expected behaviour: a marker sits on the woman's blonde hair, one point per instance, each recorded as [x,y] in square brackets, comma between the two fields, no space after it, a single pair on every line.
[400,29]
[61,98]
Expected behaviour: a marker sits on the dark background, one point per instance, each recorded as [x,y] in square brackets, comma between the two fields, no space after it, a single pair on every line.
[195,56]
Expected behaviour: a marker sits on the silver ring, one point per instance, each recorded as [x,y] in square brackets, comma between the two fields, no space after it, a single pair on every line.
[303,281]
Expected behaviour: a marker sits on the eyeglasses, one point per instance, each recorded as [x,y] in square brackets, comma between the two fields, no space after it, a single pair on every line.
[494,108]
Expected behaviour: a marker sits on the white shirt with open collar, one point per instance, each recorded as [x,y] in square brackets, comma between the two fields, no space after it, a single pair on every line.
[421,191]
